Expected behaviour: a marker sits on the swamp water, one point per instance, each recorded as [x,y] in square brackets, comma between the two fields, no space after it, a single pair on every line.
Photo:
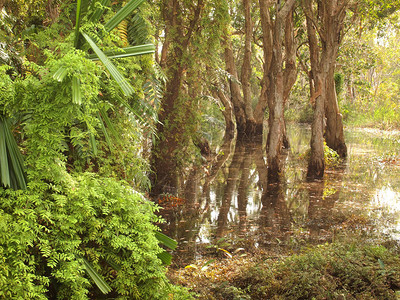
[229,209]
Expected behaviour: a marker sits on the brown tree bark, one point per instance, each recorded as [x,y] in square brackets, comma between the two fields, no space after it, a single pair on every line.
[327,19]
[276,82]
[246,67]
[316,165]
[234,85]
[334,135]
[241,98]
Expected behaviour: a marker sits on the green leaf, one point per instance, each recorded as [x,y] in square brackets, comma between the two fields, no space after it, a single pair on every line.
[93,144]
[103,114]
[77,22]
[76,91]
[166,240]
[165,257]
[98,280]
[104,129]
[122,82]
[122,14]
[127,52]
[60,74]
[95,17]
[5,172]
[12,173]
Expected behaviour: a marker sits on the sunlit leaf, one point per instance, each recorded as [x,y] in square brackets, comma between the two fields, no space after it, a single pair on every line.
[238,250]
[191,267]
[227,253]
[60,74]
[76,91]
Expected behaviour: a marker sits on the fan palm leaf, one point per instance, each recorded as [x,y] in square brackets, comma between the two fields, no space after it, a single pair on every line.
[11,162]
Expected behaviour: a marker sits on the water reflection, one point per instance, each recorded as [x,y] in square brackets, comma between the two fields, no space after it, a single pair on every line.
[230,199]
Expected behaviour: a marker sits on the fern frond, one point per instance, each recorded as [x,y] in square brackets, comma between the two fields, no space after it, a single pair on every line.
[138,30]
[123,32]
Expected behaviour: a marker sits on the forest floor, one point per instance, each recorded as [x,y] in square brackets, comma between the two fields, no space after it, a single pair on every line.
[353,267]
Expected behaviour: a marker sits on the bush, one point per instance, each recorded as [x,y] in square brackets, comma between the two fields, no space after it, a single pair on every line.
[45,233]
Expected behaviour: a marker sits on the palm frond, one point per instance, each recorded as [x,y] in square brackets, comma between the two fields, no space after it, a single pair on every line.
[60,74]
[99,10]
[166,240]
[96,277]
[81,10]
[126,52]
[123,32]
[138,30]
[76,91]
[77,22]
[153,92]
[122,14]
[11,162]
[122,82]
[104,116]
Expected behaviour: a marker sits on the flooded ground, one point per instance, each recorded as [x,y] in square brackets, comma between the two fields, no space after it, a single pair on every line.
[229,207]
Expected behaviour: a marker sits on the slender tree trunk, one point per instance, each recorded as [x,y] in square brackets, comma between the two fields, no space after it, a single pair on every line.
[316,165]
[329,17]
[334,135]
[246,73]
[234,85]
[276,101]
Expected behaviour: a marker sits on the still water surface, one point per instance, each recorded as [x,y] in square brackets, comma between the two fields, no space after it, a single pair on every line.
[229,204]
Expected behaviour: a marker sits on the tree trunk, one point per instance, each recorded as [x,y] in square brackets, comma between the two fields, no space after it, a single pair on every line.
[277,92]
[329,17]
[334,135]
[316,165]
[236,97]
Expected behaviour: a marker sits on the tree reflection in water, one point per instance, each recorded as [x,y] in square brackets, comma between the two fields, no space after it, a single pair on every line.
[233,200]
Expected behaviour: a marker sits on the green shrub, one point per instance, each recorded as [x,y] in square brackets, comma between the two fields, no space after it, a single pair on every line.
[331,157]
[46,233]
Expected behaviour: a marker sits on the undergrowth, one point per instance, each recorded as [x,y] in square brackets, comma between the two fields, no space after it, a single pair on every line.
[330,271]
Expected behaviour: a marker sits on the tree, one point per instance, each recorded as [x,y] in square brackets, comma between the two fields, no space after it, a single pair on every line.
[279,75]
[188,47]
[325,23]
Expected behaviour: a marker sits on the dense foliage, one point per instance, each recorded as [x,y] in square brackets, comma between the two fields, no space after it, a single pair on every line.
[46,234]
[74,228]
